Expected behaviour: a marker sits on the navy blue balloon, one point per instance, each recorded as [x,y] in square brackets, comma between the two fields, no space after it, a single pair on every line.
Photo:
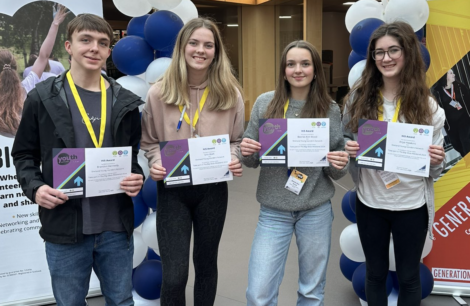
[396,285]
[361,33]
[348,212]
[427,280]
[354,58]
[136,26]
[147,279]
[426,56]
[132,55]
[168,52]
[420,34]
[149,193]
[359,282]
[151,255]
[348,266]
[352,200]
[162,28]
[140,209]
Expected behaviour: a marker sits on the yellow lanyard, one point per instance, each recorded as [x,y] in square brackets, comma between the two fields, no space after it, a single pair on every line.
[397,110]
[81,108]
[201,105]
[286,106]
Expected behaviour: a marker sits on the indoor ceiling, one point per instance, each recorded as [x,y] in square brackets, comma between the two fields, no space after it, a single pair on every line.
[111,13]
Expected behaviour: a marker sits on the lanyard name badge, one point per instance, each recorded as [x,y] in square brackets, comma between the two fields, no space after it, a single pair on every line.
[390,179]
[453,102]
[196,115]
[85,118]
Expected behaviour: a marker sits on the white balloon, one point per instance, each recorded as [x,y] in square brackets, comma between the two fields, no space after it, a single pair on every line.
[391,256]
[415,12]
[140,249]
[149,232]
[144,163]
[134,84]
[164,4]
[427,247]
[356,72]
[351,244]
[186,10]
[156,69]
[141,76]
[361,10]
[134,8]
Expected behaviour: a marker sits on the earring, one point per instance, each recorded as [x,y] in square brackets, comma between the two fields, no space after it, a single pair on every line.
[315,77]
[285,78]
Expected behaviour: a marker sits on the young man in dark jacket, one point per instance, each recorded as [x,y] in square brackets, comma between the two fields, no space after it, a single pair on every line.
[82,234]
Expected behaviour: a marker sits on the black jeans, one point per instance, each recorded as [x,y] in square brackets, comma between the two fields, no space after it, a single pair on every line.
[409,229]
[202,208]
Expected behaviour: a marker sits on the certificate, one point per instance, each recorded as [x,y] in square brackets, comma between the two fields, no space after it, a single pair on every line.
[394,147]
[105,169]
[209,158]
[90,172]
[196,161]
[273,139]
[308,142]
[407,148]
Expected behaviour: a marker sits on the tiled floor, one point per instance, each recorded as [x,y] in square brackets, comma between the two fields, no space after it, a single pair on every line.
[235,250]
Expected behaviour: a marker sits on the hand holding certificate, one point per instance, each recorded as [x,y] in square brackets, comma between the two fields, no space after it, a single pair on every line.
[294,142]
[196,161]
[91,172]
[394,147]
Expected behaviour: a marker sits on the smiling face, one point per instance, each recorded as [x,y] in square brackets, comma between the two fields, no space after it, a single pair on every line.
[390,68]
[88,49]
[200,50]
[299,70]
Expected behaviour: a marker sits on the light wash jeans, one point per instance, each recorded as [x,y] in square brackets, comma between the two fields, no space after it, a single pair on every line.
[273,235]
[109,254]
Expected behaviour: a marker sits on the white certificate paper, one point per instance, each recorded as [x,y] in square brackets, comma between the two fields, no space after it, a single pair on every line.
[105,169]
[209,157]
[308,142]
[407,148]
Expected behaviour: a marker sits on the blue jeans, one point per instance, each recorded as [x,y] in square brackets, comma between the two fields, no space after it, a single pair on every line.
[109,254]
[273,235]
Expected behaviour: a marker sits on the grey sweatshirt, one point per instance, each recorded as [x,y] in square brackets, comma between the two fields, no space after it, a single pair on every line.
[318,188]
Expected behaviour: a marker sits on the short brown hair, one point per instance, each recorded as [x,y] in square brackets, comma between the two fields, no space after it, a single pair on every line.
[89,22]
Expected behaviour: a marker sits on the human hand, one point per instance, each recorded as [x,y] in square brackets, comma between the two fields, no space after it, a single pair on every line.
[132,184]
[157,172]
[49,198]
[59,12]
[437,154]
[235,167]
[249,146]
[351,148]
[338,159]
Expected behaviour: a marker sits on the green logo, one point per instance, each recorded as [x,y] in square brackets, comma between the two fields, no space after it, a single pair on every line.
[214,141]
[314,124]
[415,130]
[114,152]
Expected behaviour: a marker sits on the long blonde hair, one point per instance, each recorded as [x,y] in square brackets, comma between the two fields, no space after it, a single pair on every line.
[223,85]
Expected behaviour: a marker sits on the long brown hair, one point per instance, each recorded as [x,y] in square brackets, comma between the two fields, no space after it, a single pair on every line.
[224,87]
[413,90]
[12,94]
[318,101]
